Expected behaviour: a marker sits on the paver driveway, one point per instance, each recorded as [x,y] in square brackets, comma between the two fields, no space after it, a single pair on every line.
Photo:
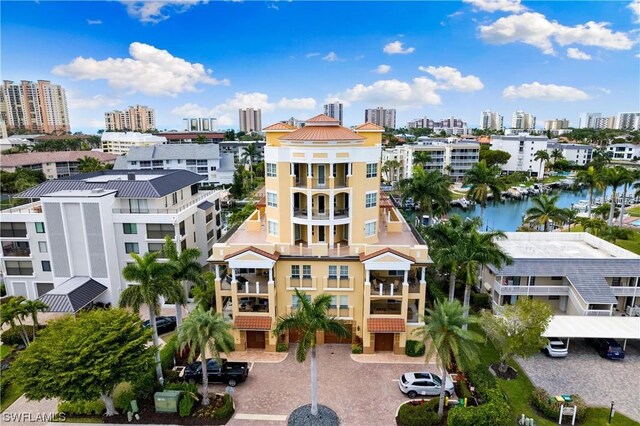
[599,381]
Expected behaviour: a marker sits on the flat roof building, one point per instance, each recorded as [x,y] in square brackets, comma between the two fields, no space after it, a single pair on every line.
[53,165]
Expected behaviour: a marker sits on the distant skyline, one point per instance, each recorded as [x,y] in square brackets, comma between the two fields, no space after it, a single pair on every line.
[435,59]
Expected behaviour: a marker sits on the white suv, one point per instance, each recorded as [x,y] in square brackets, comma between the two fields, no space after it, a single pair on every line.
[414,384]
[556,348]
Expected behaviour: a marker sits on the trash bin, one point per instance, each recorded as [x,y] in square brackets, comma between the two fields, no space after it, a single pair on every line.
[167,401]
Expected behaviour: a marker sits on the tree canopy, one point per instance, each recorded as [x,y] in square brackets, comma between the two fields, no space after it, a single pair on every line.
[494,157]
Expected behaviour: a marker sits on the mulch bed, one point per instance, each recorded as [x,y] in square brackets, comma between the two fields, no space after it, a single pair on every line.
[510,374]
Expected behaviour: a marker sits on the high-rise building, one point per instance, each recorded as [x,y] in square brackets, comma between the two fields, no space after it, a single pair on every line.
[200,124]
[557,124]
[334,110]
[137,118]
[119,142]
[523,148]
[588,120]
[250,120]
[523,121]
[381,116]
[451,125]
[628,121]
[605,122]
[36,107]
[490,120]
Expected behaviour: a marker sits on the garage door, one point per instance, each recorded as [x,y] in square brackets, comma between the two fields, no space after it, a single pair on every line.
[332,338]
[255,340]
[384,342]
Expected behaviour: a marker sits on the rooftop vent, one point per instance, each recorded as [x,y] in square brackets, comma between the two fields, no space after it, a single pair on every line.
[131,176]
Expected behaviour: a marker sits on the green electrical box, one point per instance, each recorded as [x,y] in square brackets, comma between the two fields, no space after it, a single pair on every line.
[167,401]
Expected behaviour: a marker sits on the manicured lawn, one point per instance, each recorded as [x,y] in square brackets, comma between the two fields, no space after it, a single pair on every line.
[83,420]
[5,350]
[635,211]
[10,396]
[600,416]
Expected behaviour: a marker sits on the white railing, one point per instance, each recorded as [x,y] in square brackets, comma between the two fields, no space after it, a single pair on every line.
[598,312]
[625,291]
[533,290]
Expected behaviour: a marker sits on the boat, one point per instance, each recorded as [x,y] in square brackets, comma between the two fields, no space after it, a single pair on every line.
[462,203]
[581,206]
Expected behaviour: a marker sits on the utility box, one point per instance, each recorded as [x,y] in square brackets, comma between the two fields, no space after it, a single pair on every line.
[167,401]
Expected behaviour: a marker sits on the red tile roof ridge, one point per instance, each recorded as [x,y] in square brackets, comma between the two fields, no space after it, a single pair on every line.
[364,257]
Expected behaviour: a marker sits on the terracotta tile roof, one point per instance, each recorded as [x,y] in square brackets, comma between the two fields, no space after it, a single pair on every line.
[385,325]
[369,126]
[322,133]
[385,201]
[29,158]
[321,118]
[251,322]
[262,202]
[271,256]
[383,251]
[279,126]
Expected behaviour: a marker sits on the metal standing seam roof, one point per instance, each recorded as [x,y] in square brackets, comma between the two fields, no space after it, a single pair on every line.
[205,205]
[586,275]
[73,294]
[166,182]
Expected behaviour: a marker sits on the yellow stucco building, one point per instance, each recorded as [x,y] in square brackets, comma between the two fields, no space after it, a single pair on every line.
[324,226]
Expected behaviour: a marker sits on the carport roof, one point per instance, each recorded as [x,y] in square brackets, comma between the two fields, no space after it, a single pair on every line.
[73,294]
[572,326]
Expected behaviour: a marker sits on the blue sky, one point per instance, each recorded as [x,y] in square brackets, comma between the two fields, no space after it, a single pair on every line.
[435,59]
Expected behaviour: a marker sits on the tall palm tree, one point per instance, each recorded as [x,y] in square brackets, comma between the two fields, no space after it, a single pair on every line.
[570,216]
[544,209]
[484,181]
[12,311]
[33,307]
[154,281]
[542,156]
[250,152]
[592,179]
[389,168]
[184,267]
[310,318]
[616,177]
[89,164]
[445,334]
[421,158]
[556,155]
[205,330]
[600,158]
[426,188]
[592,226]
[204,292]
[631,177]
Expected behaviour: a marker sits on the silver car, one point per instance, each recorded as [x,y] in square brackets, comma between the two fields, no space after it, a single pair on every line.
[414,384]
[556,348]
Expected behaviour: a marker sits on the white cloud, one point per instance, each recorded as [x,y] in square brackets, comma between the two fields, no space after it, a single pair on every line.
[149,70]
[297,103]
[93,102]
[382,69]
[420,91]
[157,11]
[331,57]
[497,5]
[395,47]
[635,10]
[94,22]
[575,53]
[548,92]
[536,30]
[312,54]
[450,78]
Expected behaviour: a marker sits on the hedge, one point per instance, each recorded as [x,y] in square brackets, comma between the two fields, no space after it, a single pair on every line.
[13,335]
[282,347]
[541,400]
[480,301]
[122,396]
[168,353]
[185,387]
[226,411]
[414,348]
[495,412]
[425,414]
[483,381]
[81,408]
[185,406]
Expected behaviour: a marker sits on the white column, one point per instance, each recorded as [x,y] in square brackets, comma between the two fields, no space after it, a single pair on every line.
[309,205]
[217,270]
[233,274]
[271,274]
[367,276]
[309,170]
[424,273]
[406,277]
[291,167]
[331,235]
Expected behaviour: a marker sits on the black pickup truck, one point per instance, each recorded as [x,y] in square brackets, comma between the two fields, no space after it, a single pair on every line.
[231,373]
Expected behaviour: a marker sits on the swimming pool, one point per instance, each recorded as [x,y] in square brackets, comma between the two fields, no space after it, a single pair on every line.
[636,223]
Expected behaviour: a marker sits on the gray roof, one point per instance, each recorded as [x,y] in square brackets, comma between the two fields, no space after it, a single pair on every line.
[159,184]
[208,151]
[586,275]
[73,294]
[121,163]
[205,205]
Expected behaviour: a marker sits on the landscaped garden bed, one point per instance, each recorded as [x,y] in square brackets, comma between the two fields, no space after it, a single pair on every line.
[420,413]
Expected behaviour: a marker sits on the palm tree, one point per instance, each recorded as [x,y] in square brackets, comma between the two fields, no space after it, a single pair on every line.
[204,292]
[556,154]
[154,281]
[426,188]
[33,307]
[11,311]
[484,181]
[542,156]
[600,158]
[591,178]
[310,318]
[89,164]
[544,209]
[631,177]
[205,330]
[570,216]
[389,168]
[249,153]
[421,158]
[445,328]
[592,226]
[616,177]
[184,267]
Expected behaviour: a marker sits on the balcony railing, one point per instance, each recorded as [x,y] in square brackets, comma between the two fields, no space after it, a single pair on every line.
[387,289]
[598,312]
[128,210]
[301,213]
[341,311]
[303,283]
[386,309]
[625,291]
[340,213]
[16,252]
[252,287]
[333,283]
[533,290]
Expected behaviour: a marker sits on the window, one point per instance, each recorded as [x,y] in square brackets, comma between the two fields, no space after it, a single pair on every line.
[273,227]
[16,267]
[157,248]
[138,205]
[370,199]
[130,228]
[615,281]
[344,271]
[182,229]
[272,199]
[159,230]
[372,170]
[131,248]
[271,170]
[333,271]
[340,301]
[13,229]
[42,246]
[295,271]
[370,229]
[40,227]
[306,271]
[395,273]
[174,197]
[209,217]
[46,266]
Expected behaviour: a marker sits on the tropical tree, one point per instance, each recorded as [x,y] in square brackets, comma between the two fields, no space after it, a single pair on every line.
[592,226]
[204,292]
[484,180]
[600,158]
[445,334]
[421,158]
[89,164]
[592,179]
[426,188]
[570,216]
[185,266]
[544,209]
[616,177]
[250,152]
[14,310]
[200,139]
[556,155]
[205,330]
[630,177]
[33,307]
[615,233]
[154,281]
[389,167]
[310,318]
[542,156]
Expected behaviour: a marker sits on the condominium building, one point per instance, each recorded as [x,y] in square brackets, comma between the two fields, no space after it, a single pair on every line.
[53,165]
[323,227]
[200,124]
[250,120]
[68,248]
[556,124]
[203,159]
[588,120]
[120,142]
[381,116]
[451,125]
[523,148]
[605,122]
[35,106]
[574,153]
[628,121]
[292,121]
[490,120]
[624,151]
[191,137]
[137,118]
[334,110]
[523,121]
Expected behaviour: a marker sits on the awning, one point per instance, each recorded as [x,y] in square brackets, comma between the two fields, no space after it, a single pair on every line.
[487,286]
[385,325]
[205,205]
[73,294]
[573,326]
[252,322]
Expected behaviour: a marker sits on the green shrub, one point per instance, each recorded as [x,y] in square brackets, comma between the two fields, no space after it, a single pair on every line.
[541,401]
[464,389]
[168,353]
[356,348]
[425,414]
[414,348]
[480,301]
[12,336]
[81,408]
[482,380]
[146,384]
[282,347]
[122,396]
[494,413]
[185,406]
[3,290]
[183,386]
[5,382]
[226,411]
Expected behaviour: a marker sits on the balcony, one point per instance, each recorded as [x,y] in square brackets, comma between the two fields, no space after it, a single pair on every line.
[534,290]
[342,311]
[625,291]
[176,210]
[300,213]
[386,289]
[340,213]
[253,304]
[247,287]
[343,283]
[386,308]
[14,249]
[308,283]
